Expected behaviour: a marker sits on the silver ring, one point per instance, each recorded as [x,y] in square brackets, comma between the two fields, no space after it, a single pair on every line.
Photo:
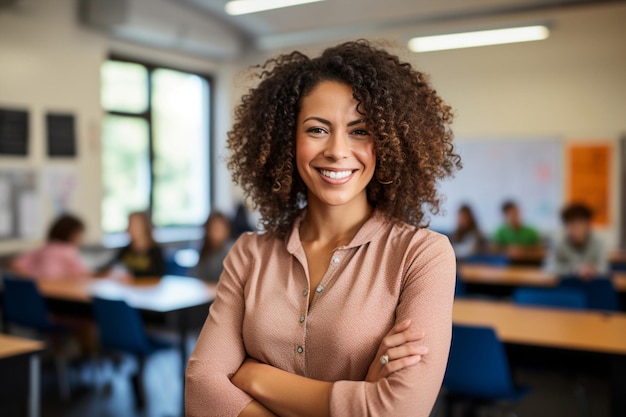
[384,360]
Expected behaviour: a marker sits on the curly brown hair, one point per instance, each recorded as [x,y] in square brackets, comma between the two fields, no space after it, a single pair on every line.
[409,123]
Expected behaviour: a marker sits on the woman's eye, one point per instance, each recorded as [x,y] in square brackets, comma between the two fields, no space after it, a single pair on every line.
[360,132]
[316,130]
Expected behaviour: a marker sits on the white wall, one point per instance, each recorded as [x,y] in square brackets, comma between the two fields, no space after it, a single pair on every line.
[48,62]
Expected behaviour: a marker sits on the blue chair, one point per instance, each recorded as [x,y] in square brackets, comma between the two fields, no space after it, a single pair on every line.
[478,369]
[494,259]
[459,289]
[600,292]
[569,298]
[122,330]
[24,306]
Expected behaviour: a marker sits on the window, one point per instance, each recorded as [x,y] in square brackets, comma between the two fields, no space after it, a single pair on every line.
[155,145]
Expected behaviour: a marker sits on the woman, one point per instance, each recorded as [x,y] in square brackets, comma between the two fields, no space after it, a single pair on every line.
[143,257]
[59,258]
[217,232]
[330,311]
[467,240]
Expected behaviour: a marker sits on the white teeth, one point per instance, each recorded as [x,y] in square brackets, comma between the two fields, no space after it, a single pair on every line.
[335,174]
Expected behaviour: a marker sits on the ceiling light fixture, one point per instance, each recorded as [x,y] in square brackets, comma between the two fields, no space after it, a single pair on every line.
[479,38]
[237,7]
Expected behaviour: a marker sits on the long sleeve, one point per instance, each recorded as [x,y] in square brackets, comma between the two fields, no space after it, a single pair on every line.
[426,298]
[220,350]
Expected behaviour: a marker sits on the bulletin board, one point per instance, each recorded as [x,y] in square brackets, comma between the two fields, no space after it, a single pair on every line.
[589,178]
[528,171]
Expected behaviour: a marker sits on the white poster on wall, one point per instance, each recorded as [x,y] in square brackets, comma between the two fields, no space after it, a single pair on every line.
[528,172]
[59,184]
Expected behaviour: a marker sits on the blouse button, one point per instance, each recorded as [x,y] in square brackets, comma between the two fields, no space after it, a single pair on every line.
[319,289]
[302,319]
[300,349]
[336,260]
[305,293]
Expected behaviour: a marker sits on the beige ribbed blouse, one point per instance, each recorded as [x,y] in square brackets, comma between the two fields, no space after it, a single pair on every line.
[389,272]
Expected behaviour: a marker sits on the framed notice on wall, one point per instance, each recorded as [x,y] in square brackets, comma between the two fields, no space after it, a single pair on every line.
[13,132]
[61,135]
[589,178]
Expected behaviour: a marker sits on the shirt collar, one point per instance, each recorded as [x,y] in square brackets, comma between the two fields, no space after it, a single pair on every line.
[370,229]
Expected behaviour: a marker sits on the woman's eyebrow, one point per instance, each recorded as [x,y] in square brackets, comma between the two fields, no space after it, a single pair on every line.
[318,119]
[356,122]
[328,123]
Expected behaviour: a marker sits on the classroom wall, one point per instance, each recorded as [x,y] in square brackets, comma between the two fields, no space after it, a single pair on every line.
[49,62]
[571,86]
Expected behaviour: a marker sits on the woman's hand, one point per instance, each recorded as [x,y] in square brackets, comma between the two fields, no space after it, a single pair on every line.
[401,350]
[243,378]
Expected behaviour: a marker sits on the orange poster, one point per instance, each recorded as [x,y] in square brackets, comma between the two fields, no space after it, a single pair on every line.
[589,174]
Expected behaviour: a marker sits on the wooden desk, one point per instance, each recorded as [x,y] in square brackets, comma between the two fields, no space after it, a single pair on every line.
[164,294]
[519,276]
[618,257]
[579,331]
[170,294]
[19,365]
[576,330]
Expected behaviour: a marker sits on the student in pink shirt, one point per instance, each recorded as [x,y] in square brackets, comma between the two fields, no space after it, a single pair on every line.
[343,307]
[59,258]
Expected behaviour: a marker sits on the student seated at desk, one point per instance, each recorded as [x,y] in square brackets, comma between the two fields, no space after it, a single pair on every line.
[579,252]
[514,237]
[143,257]
[467,240]
[215,247]
[59,258]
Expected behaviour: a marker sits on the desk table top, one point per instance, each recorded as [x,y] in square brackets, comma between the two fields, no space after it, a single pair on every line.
[590,331]
[159,294]
[14,346]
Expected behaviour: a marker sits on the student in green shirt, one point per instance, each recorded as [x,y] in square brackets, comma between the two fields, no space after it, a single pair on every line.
[513,236]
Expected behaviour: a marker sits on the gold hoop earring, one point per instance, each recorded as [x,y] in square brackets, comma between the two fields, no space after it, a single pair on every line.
[384,182]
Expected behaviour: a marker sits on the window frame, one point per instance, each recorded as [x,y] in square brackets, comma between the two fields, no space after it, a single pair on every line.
[147,115]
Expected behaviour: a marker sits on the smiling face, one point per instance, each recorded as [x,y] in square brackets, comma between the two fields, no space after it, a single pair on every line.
[334,150]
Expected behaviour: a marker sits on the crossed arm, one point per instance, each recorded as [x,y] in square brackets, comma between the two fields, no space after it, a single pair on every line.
[277,392]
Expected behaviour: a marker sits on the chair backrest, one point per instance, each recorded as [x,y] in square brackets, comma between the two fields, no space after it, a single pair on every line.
[569,298]
[478,366]
[459,289]
[600,292]
[23,304]
[120,326]
[494,259]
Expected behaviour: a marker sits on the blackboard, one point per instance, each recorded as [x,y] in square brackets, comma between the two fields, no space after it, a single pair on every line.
[13,132]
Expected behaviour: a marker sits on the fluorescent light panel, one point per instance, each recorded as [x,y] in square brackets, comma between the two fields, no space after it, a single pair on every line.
[479,38]
[237,7]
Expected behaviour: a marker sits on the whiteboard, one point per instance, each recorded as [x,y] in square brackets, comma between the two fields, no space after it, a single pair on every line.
[526,171]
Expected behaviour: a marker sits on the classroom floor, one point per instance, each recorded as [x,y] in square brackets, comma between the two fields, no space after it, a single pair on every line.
[551,395]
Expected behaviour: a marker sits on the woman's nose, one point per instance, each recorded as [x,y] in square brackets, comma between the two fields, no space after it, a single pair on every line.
[338,146]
